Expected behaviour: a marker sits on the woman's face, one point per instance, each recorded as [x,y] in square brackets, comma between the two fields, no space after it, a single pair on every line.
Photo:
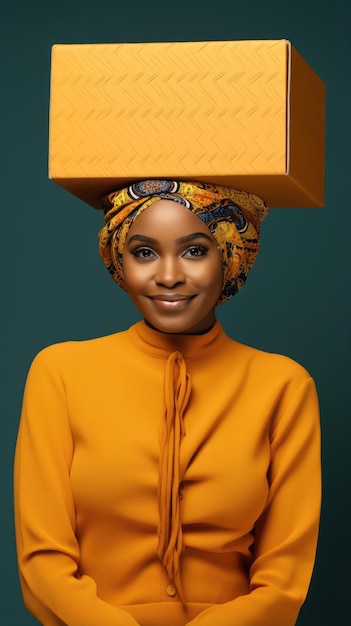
[173,269]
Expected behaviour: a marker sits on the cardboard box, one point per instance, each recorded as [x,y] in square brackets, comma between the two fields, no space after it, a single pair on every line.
[249,114]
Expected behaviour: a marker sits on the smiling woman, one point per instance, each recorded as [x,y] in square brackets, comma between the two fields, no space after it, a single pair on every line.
[168,475]
[172,269]
[233,218]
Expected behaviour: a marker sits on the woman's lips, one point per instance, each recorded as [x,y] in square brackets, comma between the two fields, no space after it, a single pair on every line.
[171,302]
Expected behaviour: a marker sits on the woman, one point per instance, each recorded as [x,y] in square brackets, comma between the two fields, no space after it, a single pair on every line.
[168,475]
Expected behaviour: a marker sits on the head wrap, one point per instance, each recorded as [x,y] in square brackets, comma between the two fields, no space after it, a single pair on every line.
[232,216]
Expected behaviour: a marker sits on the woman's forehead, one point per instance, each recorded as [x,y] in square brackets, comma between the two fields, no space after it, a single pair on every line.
[168,218]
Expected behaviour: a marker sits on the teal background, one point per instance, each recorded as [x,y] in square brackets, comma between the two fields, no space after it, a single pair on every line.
[54,286]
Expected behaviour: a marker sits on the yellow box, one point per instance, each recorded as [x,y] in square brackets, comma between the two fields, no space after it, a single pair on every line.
[250,114]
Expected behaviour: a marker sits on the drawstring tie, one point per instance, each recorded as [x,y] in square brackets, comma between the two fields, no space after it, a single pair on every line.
[177,393]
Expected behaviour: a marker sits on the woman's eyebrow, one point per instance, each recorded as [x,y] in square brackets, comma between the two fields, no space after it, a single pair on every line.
[192,236]
[143,239]
[185,239]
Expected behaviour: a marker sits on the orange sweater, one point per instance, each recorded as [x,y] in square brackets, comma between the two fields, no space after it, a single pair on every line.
[226,538]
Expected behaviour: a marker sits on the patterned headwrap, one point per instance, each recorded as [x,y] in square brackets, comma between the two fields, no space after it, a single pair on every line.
[232,216]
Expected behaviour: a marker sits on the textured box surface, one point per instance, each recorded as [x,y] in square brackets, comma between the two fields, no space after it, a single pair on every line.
[250,114]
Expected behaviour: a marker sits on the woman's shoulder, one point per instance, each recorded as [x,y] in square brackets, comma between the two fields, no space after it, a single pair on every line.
[270,363]
[71,350]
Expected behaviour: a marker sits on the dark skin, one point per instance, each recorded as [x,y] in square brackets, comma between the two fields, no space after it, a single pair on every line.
[173,269]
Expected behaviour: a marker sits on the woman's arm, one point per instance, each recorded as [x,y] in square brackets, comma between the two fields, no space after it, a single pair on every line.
[48,551]
[286,534]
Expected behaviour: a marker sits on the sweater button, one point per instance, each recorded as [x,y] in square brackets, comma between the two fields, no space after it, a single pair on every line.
[170,590]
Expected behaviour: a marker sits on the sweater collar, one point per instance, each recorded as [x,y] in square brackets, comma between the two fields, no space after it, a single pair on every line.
[161,345]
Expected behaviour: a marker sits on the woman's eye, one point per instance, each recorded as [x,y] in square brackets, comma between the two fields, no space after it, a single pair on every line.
[195,251]
[144,253]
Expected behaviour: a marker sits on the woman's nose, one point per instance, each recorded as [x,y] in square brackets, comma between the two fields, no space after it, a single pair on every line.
[169,272]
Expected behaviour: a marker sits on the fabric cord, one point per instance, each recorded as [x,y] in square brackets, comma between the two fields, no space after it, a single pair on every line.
[177,394]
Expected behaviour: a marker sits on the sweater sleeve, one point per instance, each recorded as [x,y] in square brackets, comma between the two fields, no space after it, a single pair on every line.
[48,551]
[286,533]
